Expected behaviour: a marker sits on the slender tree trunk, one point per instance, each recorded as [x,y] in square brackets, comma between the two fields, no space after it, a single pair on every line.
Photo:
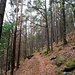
[64,23]
[25,50]
[51,27]
[2,10]
[56,24]
[7,54]
[47,30]
[19,46]
[31,40]
[14,44]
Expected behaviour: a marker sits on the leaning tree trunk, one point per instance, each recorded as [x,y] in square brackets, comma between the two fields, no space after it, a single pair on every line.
[2,10]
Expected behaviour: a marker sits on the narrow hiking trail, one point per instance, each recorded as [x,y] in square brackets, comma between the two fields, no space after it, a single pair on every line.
[37,65]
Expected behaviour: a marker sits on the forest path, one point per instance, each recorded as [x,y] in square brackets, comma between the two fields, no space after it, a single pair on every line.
[37,65]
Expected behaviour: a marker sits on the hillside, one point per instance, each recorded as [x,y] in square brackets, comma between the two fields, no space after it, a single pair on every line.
[41,64]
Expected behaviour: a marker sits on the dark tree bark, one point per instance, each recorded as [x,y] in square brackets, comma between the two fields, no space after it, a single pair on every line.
[51,26]
[47,30]
[64,23]
[19,46]
[7,54]
[14,44]
[13,52]
[2,10]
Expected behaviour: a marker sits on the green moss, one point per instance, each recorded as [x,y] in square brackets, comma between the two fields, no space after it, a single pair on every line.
[70,63]
[45,52]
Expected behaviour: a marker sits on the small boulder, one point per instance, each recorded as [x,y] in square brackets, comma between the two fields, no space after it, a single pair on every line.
[60,60]
[53,58]
[69,66]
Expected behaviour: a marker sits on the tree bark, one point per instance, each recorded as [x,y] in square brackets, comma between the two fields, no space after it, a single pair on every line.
[14,44]
[19,46]
[51,27]
[2,10]
[47,30]
[7,54]
[64,23]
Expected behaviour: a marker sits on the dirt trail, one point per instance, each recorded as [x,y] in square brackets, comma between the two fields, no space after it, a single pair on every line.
[29,67]
[46,66]
[36,66]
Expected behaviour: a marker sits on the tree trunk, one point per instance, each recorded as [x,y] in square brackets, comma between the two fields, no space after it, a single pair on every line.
[14,44]
[7,54]
[47,30]
[64,24]
[25,50]
[51,27]
[19,46]
[2,10]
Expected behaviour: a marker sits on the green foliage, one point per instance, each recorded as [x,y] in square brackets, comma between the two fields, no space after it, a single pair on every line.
[7,28]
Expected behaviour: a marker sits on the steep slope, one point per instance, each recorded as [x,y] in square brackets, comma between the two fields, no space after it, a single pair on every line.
[40,64]
[37,66]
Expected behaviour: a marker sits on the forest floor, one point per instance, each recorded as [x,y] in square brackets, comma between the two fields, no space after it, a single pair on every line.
[41,64]
[37,65]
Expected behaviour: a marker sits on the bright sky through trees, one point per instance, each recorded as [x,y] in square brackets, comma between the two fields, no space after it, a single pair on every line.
[8,8]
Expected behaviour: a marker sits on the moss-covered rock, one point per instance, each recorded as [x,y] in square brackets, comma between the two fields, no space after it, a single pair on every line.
[70,64]
[60,60]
